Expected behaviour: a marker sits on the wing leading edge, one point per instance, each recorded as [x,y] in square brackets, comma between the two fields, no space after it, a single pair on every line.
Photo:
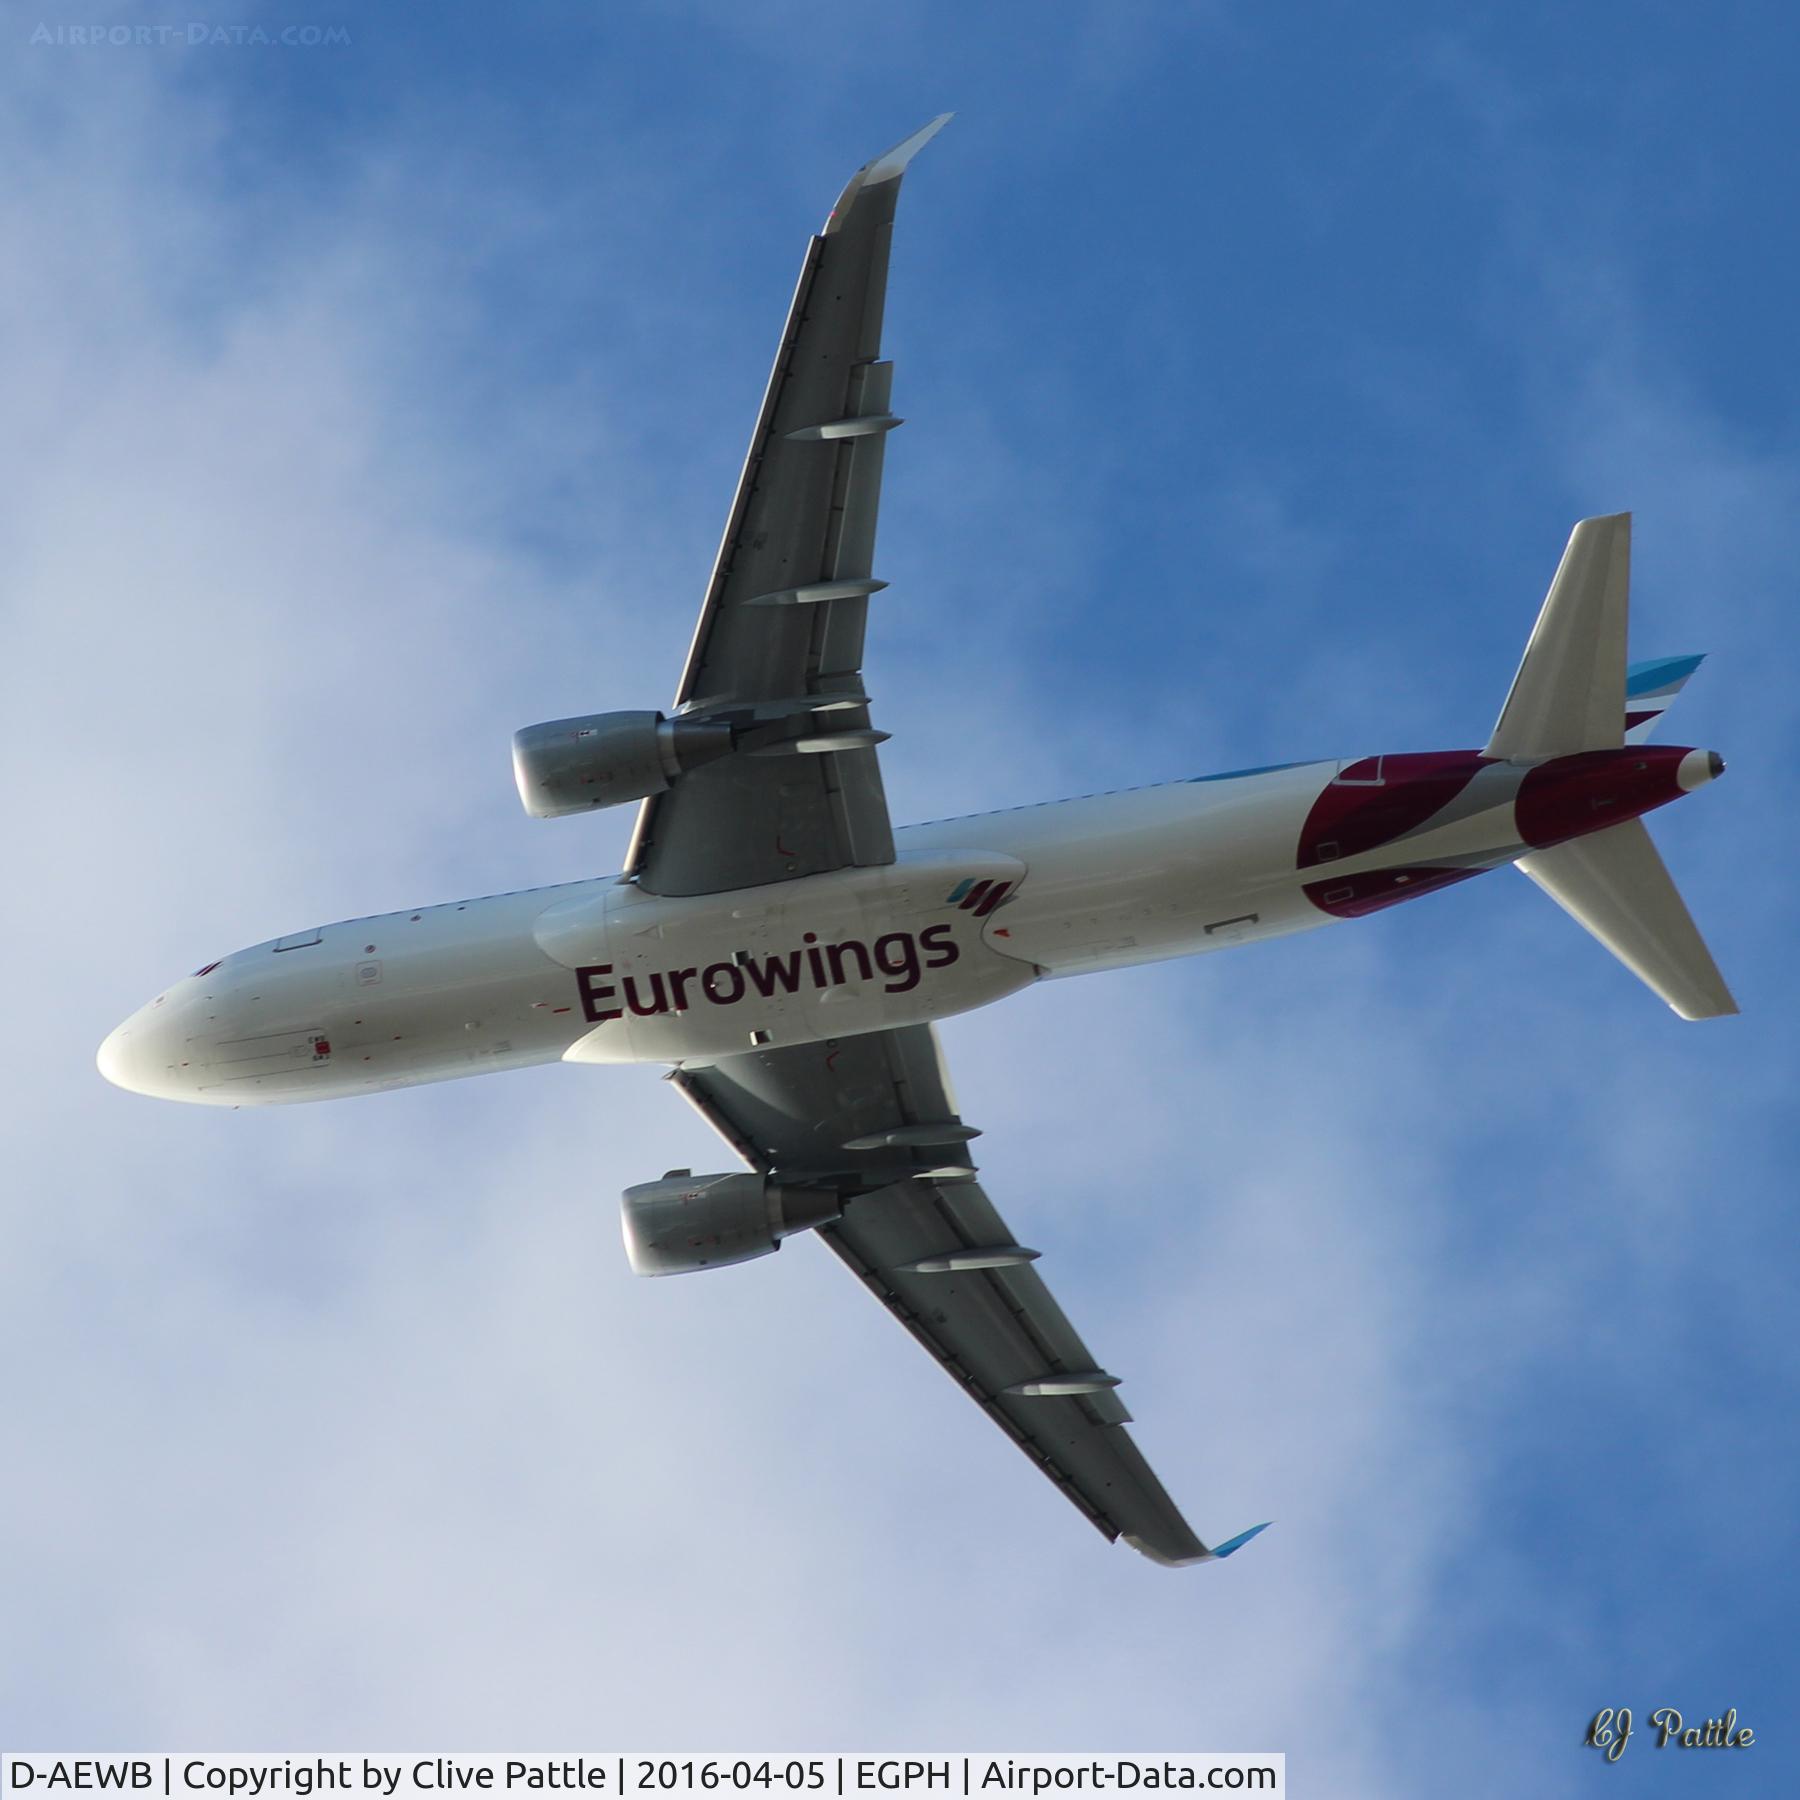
[875,1116]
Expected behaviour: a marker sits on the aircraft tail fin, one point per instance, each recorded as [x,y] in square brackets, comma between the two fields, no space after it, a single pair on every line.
[1614,883]
[1650,689]
[1569,693]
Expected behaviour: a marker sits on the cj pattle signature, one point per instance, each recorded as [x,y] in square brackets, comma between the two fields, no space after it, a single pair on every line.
[1611,1731]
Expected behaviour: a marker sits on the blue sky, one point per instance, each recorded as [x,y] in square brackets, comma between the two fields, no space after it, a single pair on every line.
[369,401]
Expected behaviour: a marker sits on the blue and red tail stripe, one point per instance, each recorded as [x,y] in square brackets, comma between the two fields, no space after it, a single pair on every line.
[1650,687]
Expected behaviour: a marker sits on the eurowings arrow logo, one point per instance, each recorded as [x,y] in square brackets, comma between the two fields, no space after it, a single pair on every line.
[978,897]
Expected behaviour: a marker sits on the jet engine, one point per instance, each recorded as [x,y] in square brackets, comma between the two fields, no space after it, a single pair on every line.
[573,765]
[687,1221]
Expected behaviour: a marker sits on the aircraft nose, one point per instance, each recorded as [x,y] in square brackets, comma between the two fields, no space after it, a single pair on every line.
[144,1054]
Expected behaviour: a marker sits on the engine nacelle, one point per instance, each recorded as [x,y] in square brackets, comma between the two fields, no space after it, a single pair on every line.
[686,1222]
[574,765]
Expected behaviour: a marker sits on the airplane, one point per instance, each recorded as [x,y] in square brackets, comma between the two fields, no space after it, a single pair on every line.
[785,951]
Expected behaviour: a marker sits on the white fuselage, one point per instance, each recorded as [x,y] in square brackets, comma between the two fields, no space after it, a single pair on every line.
[601,971]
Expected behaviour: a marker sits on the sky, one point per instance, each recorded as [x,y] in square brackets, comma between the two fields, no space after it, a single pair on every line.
[372,398]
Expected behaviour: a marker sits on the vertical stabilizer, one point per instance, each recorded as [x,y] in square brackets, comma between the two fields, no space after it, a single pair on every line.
[1651,689]
[1615,884]
[1569,693]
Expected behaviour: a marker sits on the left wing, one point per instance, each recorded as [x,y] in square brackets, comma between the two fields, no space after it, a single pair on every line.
[874,1116]
[779,645]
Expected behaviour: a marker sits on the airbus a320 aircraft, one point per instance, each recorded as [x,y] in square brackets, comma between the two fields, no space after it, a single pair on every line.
[784,950]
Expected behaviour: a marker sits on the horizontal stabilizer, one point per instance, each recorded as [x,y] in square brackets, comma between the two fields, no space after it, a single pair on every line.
[1614,883]
[1569,693]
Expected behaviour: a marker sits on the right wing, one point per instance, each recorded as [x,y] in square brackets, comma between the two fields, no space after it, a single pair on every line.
[779,645]
[874,1115]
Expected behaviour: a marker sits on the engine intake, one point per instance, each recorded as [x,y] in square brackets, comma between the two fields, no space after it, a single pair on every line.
[606,759]
[686,1222]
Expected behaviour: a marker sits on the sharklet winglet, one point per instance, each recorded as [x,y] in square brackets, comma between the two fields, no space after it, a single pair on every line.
[1201,1554]
[1242,1538]
[894,161]
[887,167]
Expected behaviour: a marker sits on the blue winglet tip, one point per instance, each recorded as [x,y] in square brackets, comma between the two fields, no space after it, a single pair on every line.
[1242,1538]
